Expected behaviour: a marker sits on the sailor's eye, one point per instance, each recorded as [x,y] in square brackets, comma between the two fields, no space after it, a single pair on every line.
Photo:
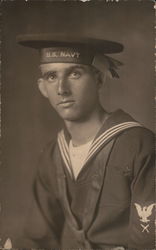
[50,76]
[75,74]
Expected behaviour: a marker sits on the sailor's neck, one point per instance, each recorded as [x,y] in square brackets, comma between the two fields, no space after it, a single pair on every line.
[85,131]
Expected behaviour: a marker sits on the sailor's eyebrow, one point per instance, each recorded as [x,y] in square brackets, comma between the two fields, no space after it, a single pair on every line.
[75,67]
[47,73]
[67,70]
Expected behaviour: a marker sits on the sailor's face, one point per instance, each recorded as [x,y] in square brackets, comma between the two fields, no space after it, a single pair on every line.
[72,89]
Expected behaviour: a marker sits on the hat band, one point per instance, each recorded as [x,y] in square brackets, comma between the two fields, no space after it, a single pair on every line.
[66,55]
[80,56]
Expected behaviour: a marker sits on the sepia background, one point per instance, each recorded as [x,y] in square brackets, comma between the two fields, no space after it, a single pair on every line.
[28,121]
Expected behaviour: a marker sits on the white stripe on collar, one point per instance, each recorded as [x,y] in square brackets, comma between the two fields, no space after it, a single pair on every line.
[64,150]
[108,134]
[97,143]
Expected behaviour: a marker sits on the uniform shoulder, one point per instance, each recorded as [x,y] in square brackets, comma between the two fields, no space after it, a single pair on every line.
[48,147]
[45,165]
[140,133]
[133,134]
[139,138]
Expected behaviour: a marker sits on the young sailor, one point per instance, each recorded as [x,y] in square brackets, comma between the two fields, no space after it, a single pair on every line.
[95,183]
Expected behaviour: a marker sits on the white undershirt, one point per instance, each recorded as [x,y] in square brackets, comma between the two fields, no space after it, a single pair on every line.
[78,155]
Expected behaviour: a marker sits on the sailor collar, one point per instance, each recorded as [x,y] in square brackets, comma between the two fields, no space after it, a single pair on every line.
[117,122]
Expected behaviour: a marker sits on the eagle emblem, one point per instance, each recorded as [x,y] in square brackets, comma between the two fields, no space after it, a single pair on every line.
[144,212]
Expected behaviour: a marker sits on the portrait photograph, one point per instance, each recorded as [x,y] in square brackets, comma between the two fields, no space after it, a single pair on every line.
[77,125]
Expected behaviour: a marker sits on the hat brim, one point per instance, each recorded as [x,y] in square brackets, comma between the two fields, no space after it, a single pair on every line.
[39,41]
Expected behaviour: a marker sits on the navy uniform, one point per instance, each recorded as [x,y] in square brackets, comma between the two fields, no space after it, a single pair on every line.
[111,203]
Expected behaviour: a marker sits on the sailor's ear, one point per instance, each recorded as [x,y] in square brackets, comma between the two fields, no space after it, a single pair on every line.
[103,77]
[42,87]
[100,79]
